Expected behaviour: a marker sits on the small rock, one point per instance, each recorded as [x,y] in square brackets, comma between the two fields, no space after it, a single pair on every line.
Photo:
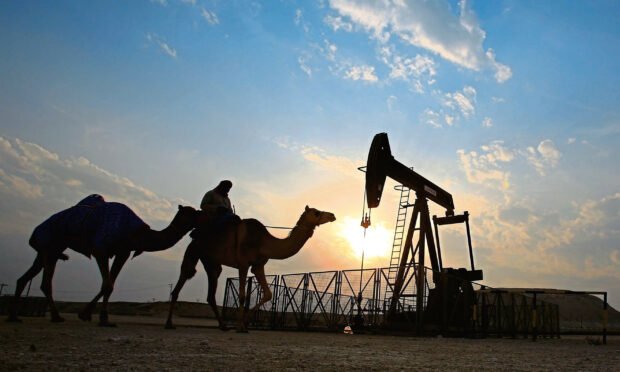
[204,342]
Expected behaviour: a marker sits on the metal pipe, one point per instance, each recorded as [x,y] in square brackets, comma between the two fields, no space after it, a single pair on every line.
[471,253]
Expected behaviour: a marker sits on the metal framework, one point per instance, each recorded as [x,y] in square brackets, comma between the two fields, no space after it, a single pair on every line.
[327,301]
[451,288]
[406,296]
[512,311]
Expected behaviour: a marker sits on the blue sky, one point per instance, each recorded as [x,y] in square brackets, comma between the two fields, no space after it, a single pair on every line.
[512,106]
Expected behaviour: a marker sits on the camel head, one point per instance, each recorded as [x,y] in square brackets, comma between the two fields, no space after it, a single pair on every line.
[185,219]
[316,217]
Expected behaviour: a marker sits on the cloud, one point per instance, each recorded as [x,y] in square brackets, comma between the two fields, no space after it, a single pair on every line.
[319,156]
[153,38]
[362,72]
[299,21]
[485,168]
[544,156]
[597,227]
[498,100]
[571,140]
[192,2]
[408,69]
[298,14]
[502,72]
[462,101]
[606,130]
[303,65]
[160,2]
[433,118]
[336,23]
[429,25]
[456,105]
[330,50]
[38,182]
[16,185]
[536,242]
[210,16]
[391,101]
[487,122]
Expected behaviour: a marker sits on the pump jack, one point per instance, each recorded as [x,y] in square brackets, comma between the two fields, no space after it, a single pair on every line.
[381,164]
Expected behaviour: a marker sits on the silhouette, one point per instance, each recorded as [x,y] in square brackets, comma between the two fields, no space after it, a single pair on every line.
[103,230]
[216,200]
[245,245]
[216,211]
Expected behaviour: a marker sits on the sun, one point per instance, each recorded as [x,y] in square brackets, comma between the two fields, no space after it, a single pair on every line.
[377,243]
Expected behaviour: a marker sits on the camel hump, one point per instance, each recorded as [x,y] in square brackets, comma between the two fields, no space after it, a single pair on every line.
[253,225]
[252,231]
[93,201]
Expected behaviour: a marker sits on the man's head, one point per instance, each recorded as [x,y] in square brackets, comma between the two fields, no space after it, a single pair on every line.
[224,187]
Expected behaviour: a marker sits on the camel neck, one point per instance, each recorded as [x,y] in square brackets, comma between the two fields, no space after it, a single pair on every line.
[154,240]
[281,249]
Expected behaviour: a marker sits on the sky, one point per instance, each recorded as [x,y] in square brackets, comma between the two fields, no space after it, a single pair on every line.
[510,106]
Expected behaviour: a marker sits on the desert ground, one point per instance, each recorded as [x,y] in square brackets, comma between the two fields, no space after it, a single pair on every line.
[141,343]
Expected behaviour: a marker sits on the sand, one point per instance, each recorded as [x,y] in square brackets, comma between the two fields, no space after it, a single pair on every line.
[141,343]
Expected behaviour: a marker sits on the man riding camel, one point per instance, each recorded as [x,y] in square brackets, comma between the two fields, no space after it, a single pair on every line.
[218,210]
[216,201]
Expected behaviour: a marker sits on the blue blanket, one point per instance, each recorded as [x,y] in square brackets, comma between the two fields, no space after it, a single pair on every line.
[90,223]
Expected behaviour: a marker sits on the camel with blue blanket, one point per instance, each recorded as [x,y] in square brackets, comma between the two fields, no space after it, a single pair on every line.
[104,230]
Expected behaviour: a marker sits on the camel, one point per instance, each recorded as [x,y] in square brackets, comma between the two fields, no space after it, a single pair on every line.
[103,230]
[245,245]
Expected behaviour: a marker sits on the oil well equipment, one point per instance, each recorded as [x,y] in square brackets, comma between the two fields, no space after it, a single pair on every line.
[416,293]
[451,297]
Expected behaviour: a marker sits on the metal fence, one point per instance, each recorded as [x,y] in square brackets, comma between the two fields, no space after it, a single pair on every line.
[329,300]
[28,306]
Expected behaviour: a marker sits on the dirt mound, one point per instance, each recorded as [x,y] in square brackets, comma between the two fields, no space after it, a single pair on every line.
[578,310]
[582,309]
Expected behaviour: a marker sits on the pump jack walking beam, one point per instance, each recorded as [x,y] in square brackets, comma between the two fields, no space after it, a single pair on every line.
[381,164]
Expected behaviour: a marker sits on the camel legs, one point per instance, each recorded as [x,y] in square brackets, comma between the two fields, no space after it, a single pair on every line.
[85,314]
[49,266]
[174,296]
[108,278]
[117,265]
[243,275]
[213,273]
[33,271]
[188,270]
[259,273]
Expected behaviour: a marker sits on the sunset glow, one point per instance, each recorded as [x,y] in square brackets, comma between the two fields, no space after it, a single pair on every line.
[376,243]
